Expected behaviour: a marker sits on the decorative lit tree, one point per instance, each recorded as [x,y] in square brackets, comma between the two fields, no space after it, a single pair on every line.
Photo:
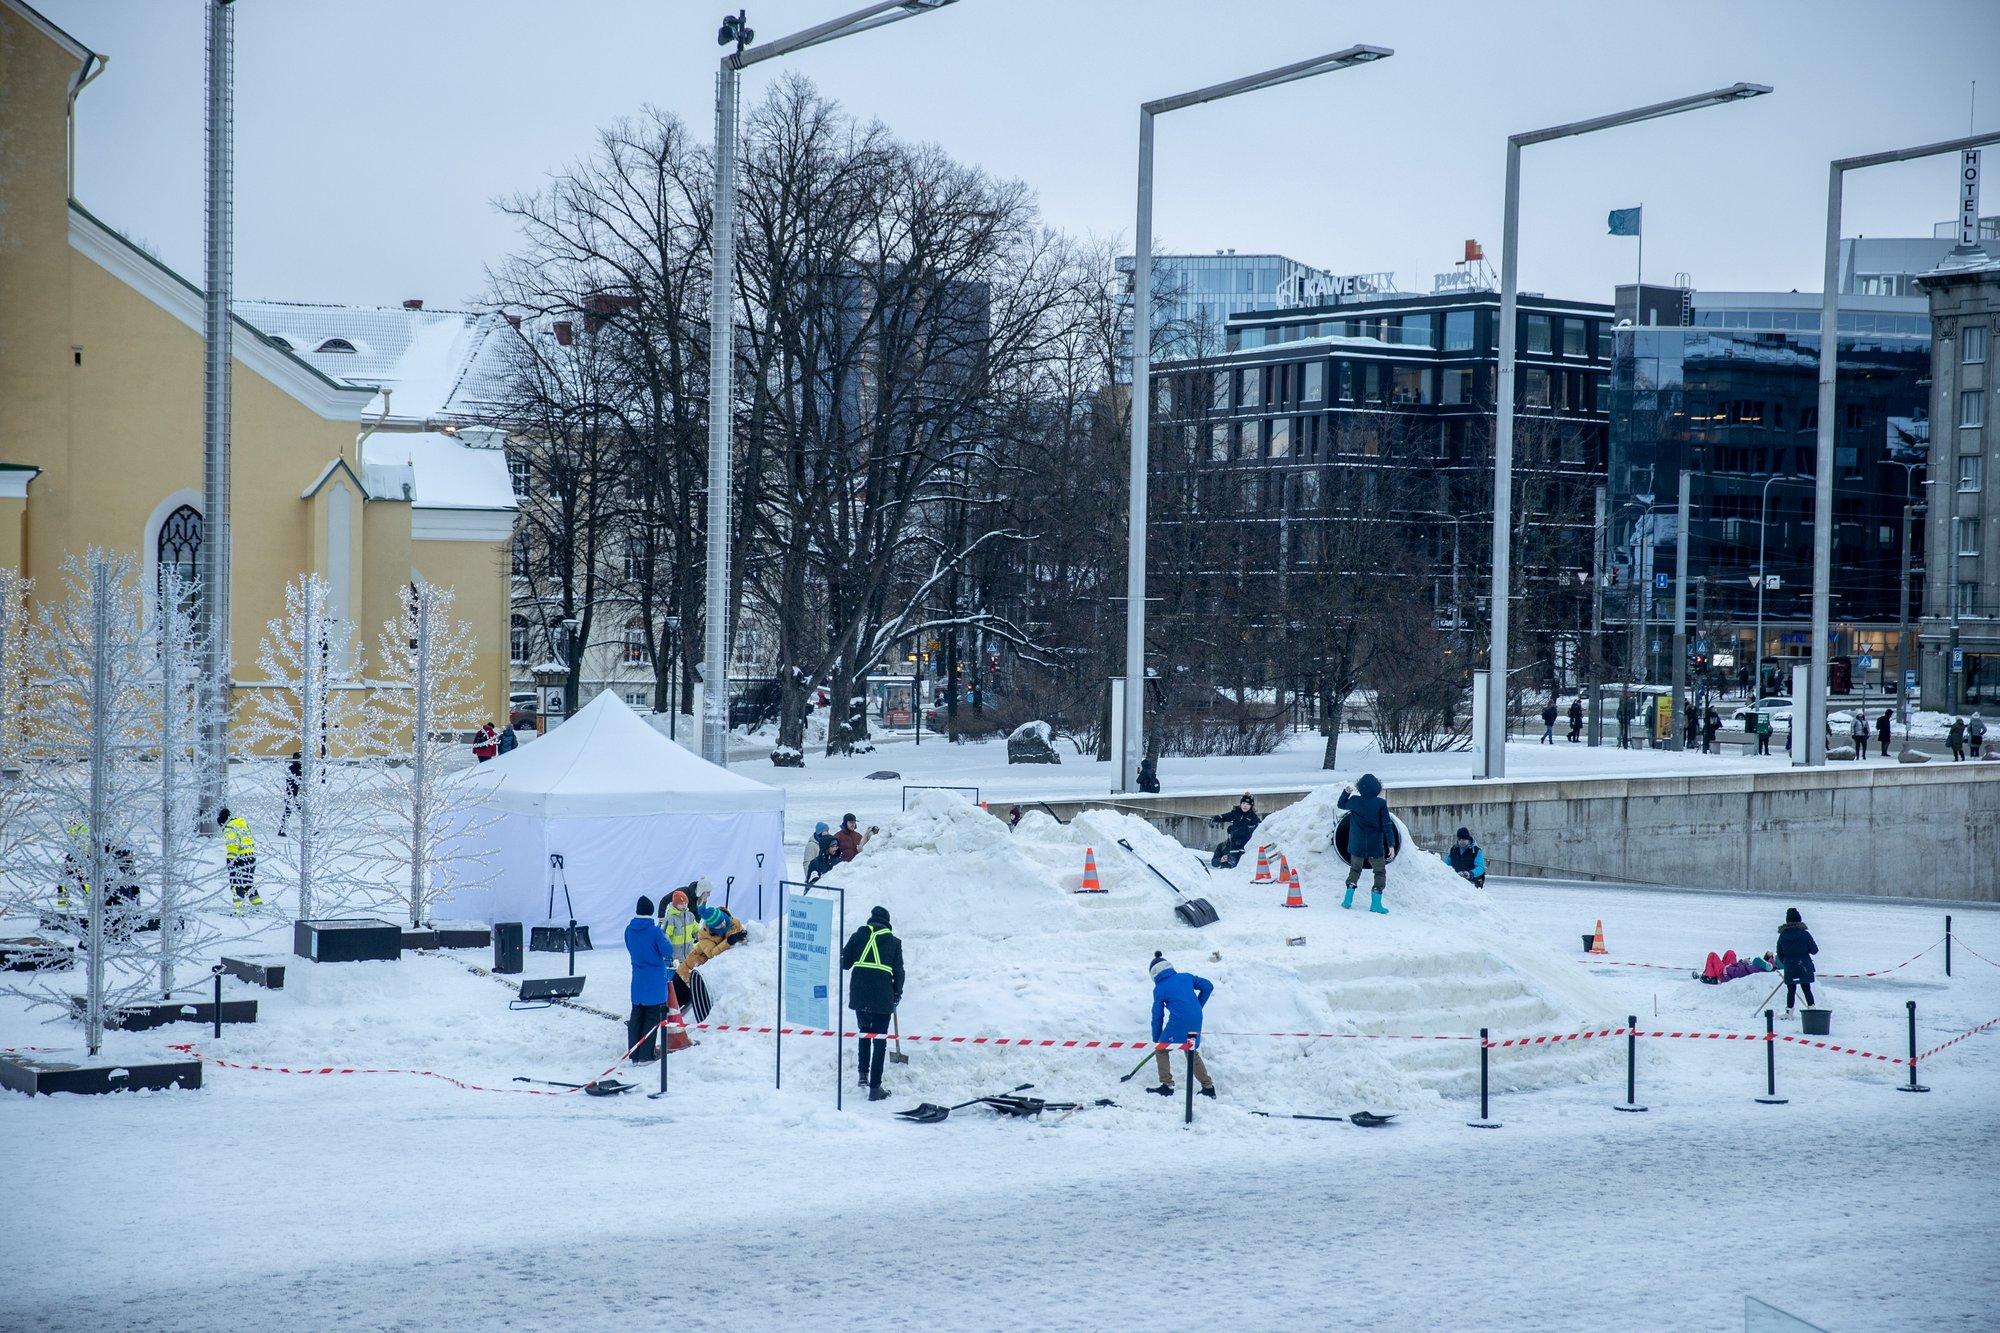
[104,799]
[425,691]
[310,703]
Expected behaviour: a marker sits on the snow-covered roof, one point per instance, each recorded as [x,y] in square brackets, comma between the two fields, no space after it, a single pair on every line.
[440,470]
[607,762]
[436,364]
[1959,263]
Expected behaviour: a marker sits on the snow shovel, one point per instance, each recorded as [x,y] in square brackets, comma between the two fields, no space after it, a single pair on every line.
[930,1113]
[597,1087]
[1136,1068]
[1197,912]
[896,1056]
[1025,1107]
[1364,1119]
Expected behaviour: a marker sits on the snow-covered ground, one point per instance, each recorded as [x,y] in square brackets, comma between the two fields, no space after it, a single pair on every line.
[391,1200]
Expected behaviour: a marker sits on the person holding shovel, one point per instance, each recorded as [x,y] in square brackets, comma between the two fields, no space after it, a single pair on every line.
[647,945]
[1796,948]
[1178,1001]
[875,957]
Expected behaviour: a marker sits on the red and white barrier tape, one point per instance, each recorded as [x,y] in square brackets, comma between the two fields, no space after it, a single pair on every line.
[1966,948]
[220,1063]
[1969,1032]
[1052,1043]
[1837,976]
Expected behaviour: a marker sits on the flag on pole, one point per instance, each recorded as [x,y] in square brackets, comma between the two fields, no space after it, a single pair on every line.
[1625,221]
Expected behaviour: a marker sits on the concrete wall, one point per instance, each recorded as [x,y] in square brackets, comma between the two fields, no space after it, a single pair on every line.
[1927,832]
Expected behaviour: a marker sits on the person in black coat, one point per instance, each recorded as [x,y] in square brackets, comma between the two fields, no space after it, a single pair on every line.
[874,957]
[1575,721]
[1796,948]
[1240,823]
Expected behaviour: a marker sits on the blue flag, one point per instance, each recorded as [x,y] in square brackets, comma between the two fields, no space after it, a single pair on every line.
[1625,221]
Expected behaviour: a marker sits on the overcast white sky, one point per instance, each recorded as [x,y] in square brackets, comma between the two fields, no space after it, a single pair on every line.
[373,135]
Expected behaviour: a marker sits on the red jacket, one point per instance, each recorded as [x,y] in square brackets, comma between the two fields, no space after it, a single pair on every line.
[487,743]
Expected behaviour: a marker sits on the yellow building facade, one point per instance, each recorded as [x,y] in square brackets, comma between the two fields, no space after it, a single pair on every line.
[101,385]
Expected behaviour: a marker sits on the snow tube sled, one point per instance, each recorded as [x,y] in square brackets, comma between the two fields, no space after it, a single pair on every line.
[692,996]
[1340,838]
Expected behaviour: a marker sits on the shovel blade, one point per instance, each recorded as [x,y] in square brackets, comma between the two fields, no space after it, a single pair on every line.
[606,1087]
[928,1113]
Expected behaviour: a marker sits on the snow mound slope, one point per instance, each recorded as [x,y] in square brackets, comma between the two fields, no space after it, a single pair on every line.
[998,943]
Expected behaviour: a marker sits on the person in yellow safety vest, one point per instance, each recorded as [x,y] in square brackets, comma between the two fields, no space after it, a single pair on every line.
[76,863]
[875,957]
[681,924]
[239,853]
[720,932]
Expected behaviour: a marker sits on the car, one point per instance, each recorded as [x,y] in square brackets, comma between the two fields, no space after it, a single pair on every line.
[1777,705]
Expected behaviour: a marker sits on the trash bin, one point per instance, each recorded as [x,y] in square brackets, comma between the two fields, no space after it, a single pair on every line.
[1816,1022]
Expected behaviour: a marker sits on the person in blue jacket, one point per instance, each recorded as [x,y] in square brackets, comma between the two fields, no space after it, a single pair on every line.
[1371,838]
[1467,859]
[1178,998]
[647,944]
[1795,950]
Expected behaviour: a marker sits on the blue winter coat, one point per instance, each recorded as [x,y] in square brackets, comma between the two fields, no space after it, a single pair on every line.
[1369,830]
[1795,951]
[1177,1001]
[647,944]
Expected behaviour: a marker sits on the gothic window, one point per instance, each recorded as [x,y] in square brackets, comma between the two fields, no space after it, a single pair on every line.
[177,550]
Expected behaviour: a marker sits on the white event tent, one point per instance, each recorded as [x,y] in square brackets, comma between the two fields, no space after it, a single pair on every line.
[630,812]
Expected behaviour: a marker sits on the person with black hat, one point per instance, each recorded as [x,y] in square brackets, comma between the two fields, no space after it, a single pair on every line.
[1467,859]
[1178,1001]
[650,952]
[875,957]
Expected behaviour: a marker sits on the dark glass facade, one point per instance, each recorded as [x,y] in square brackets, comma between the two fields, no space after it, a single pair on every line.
[1738,406]
[1387,405]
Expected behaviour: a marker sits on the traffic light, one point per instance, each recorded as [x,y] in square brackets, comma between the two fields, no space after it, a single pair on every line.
[1699,661]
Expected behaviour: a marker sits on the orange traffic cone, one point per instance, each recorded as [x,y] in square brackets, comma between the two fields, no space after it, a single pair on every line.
[676,1033]
[1284,869]
[1597,938]
[1090,884]
[1263,865]
[1293,897]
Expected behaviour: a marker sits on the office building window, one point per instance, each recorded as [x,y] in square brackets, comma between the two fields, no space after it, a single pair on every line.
[1968,473]
[1968,599]
[1414,331]
[1250,387]
[1973,339]
[1460,327]
[1279,438]
[1534,388]
[1222,389]
[1965,536]
[1371,383]
[1347,381]
[1972,407]
[1413,385]
[1163,395]
[1457,387]
[1574,334]
[1535,333]
[1314,388]
[1218,443]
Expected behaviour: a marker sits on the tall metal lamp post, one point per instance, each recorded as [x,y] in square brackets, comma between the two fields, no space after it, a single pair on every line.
[1829,356]
[1134,720]
[1493,755]
[722,331]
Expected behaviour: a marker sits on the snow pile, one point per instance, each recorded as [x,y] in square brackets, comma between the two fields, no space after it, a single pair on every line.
[998,942]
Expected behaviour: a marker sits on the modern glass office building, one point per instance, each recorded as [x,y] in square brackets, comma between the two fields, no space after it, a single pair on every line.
[1734,399]
[1196,295]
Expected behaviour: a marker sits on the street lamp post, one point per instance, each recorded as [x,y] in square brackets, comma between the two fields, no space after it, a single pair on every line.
[673,681]
[721,333]
[1134,720]
[1829,355]
[1494,752]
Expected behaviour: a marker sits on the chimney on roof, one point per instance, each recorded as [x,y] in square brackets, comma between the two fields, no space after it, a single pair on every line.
[563,332]
[513,321]
[414,303]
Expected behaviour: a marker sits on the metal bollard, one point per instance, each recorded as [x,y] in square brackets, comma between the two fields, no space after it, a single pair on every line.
[571,938]
[1485,1120]
[1912,1085]
[1947,944]
[1770,1097]
[1631,1102]
[1188,1115]
[215,970]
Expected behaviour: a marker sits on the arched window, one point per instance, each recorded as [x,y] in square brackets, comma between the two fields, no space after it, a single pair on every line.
[177,550]
[335,345]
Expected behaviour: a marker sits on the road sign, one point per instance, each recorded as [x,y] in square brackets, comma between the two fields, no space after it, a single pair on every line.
[1867,662]
[1773,582]
[1909,682]
[1701,645]
[1659,580]
[1957,661]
